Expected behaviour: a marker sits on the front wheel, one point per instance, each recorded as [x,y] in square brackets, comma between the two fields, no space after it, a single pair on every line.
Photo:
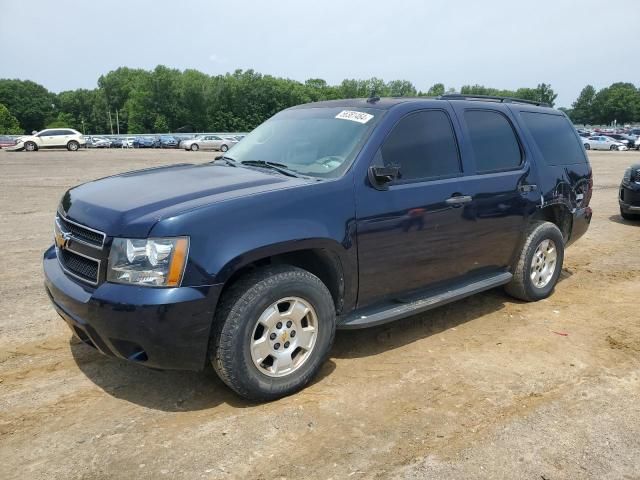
[224,148]
[613,147]
[587,146]
[195,147]
[272,332]
[30,147]
[73,146]
[538,268]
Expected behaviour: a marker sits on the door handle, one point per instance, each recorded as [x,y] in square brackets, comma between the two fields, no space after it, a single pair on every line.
[458,200]
[526,188]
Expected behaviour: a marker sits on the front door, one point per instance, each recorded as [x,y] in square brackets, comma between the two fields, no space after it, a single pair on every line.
[408,235]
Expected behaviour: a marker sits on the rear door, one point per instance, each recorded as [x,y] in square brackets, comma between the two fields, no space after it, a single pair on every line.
[501,182]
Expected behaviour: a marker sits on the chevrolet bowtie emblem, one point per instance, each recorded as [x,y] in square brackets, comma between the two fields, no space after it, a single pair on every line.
[284,337]
[62,239]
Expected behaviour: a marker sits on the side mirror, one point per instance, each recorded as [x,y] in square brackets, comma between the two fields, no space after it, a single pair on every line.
[381,176]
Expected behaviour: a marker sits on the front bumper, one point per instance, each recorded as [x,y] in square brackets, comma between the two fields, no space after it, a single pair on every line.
[629,197]
[165,328]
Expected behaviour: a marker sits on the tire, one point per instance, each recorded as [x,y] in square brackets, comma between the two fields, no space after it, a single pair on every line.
[236,328]
[587,146]
[523,286]
[613,147]
[224,148]
[30,147]
[73,146]
[194,147]
[629,216]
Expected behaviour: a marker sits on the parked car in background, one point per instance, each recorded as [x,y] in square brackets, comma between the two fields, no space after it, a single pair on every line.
[98,142]
[629,198]
[144,142]
[116,142]
[7,141]
[168,141]
[128,142]
[52,138]
[209,142]
[622,138]
[602,142]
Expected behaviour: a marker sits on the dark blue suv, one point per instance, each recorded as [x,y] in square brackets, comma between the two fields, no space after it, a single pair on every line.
[339,214]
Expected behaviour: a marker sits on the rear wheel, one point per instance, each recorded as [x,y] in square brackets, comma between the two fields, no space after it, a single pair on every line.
[538,268]
[195,147]
[272,332]
[587,146]
[30,147]
[73,146]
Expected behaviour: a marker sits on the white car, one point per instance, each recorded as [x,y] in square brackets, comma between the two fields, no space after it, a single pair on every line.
[128,142]
[209,142]
[99,142]
[602,142]
[52,138]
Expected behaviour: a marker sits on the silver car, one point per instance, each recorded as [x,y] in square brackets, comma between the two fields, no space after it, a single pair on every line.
[209,142]
[602,142]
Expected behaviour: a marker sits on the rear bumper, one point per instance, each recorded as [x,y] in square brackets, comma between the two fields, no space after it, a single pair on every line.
[159,327]
[581,222]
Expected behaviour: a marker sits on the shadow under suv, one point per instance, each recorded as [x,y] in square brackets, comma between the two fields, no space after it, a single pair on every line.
[339,214]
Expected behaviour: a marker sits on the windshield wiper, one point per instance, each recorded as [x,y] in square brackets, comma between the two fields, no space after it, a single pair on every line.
[227,161]
[278,167]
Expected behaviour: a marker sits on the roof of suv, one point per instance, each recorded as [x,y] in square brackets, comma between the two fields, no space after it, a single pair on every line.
[386,103]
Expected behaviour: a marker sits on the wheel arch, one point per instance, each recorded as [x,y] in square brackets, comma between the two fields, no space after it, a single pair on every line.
[318,258]
[558,214]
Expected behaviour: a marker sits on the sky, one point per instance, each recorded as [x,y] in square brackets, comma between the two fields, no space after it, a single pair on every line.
[68,44]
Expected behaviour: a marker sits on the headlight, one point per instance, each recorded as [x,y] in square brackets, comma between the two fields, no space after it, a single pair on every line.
[626,178]
[153,262]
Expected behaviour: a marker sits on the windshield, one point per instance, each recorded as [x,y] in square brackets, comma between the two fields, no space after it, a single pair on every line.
[320,142]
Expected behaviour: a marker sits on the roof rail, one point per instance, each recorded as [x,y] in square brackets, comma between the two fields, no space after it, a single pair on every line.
[492,98]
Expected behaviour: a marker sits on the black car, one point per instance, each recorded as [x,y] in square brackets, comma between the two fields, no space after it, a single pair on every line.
[116,142]
[630,193]
[338,214]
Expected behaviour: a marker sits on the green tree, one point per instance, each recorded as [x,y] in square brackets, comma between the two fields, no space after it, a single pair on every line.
[30,103]
[401,88]
[62,120]
[436,90]
[8,123]
[619,102]
[583,109]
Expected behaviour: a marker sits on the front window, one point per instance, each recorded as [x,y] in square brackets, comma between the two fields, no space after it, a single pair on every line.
[320,142]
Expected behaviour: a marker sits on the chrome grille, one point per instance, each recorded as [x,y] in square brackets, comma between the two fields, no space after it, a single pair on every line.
[80,232]
[81,267]
[80,250]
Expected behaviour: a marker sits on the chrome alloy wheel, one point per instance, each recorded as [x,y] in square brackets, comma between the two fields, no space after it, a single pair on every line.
[543,263]
[284,337]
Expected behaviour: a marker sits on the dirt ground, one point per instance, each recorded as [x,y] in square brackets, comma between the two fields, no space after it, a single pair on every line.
[488,387]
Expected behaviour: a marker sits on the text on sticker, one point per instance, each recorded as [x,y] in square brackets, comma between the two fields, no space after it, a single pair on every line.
[359,117]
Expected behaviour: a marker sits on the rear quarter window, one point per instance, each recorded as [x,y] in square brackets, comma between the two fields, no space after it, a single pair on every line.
[555,137]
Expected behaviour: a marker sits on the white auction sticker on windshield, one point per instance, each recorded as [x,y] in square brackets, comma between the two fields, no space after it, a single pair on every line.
[359,117]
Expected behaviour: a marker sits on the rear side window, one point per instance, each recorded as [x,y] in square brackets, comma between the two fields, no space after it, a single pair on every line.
[555,138]
[423,145]
[493,140]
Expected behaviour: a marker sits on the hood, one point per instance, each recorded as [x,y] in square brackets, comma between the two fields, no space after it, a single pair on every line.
[129,204]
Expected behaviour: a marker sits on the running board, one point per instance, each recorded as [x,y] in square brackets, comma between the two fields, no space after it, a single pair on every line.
[372,316]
